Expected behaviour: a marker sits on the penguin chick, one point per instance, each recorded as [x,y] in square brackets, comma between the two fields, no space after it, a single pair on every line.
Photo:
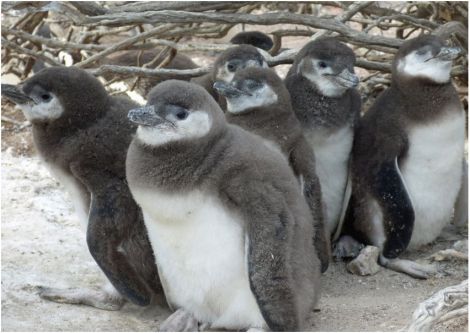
[254,38]
[258,101]
[321,84]
[230,228]
[225,66]
[407,156]
[82,135]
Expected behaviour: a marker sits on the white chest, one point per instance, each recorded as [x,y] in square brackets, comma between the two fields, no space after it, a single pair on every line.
[332,151]
[77,192]
[432,173]
[200,250]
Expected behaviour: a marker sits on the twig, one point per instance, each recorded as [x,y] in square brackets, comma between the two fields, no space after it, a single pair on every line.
[146,72]
[123,44]
[168,16]
[31,53]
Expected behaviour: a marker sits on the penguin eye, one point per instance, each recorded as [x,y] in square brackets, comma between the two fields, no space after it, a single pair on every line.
[46,97]
[231,67]
[181,115]
[322,64]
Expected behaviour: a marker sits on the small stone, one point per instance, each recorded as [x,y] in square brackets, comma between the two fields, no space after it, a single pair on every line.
[366,262]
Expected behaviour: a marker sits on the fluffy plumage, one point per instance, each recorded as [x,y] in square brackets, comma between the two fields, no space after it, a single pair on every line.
[408,156]
[229,197]
[85,146]
[321,84]
[267,111]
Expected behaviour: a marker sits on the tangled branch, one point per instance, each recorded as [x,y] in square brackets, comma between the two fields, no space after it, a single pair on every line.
[88,33]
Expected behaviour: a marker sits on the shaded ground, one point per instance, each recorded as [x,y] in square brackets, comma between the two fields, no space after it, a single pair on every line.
[42,244]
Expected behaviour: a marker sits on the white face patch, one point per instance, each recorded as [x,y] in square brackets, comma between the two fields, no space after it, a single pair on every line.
[261,97]
[49,110]
[320,77]
[435,69]
[196,125]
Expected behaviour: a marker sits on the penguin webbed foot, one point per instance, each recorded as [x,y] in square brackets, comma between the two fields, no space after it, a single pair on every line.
[180,321]
[411,268]
[99,299]
[346,247]
[257,329]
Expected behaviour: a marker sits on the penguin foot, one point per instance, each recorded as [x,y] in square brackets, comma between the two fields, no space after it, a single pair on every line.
[257,329]
[95,298]
[346,247]
[180,321]
[413,269]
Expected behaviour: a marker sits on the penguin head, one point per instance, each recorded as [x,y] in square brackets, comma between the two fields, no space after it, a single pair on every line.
[59,93]
[425,57]
[176,111]
[329,65]
[255,38]
[234,59]
[251,88]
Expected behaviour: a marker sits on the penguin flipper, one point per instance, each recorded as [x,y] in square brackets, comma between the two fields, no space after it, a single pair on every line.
[302,161]
[109,222]
[397,209]
[461,205]
[268,245]
[344,208]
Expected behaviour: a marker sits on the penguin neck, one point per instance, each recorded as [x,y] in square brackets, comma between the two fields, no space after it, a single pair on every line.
[277,123]
[425,100]
[52,133]
[180,165]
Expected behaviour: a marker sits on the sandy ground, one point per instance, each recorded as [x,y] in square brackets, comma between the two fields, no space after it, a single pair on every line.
[43,245]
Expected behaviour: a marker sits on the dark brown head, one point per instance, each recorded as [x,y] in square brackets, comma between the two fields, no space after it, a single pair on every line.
[328,64]
[66,95]
[424,58]
[234,59]
[252,88]
[177,111]
[255,38]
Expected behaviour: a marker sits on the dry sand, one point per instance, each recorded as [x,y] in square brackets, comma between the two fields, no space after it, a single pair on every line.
[43,244]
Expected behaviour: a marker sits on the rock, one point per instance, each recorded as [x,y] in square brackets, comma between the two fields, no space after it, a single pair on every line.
[366,262]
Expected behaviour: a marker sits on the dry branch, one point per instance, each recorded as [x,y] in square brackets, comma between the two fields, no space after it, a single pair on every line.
[169,16]
[446,304]
[89,23]
[146,72]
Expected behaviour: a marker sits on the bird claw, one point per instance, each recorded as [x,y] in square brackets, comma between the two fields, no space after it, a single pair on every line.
[180,321]
[97,299]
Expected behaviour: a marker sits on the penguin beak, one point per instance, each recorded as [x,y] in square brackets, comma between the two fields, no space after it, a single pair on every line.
[448,53]
[146,116]
[347,79]
[229,90]
[15,94]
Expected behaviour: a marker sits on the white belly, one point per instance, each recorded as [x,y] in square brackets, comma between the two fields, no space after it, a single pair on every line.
[432,172]
[200,251]
[332,153]
[75,190]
